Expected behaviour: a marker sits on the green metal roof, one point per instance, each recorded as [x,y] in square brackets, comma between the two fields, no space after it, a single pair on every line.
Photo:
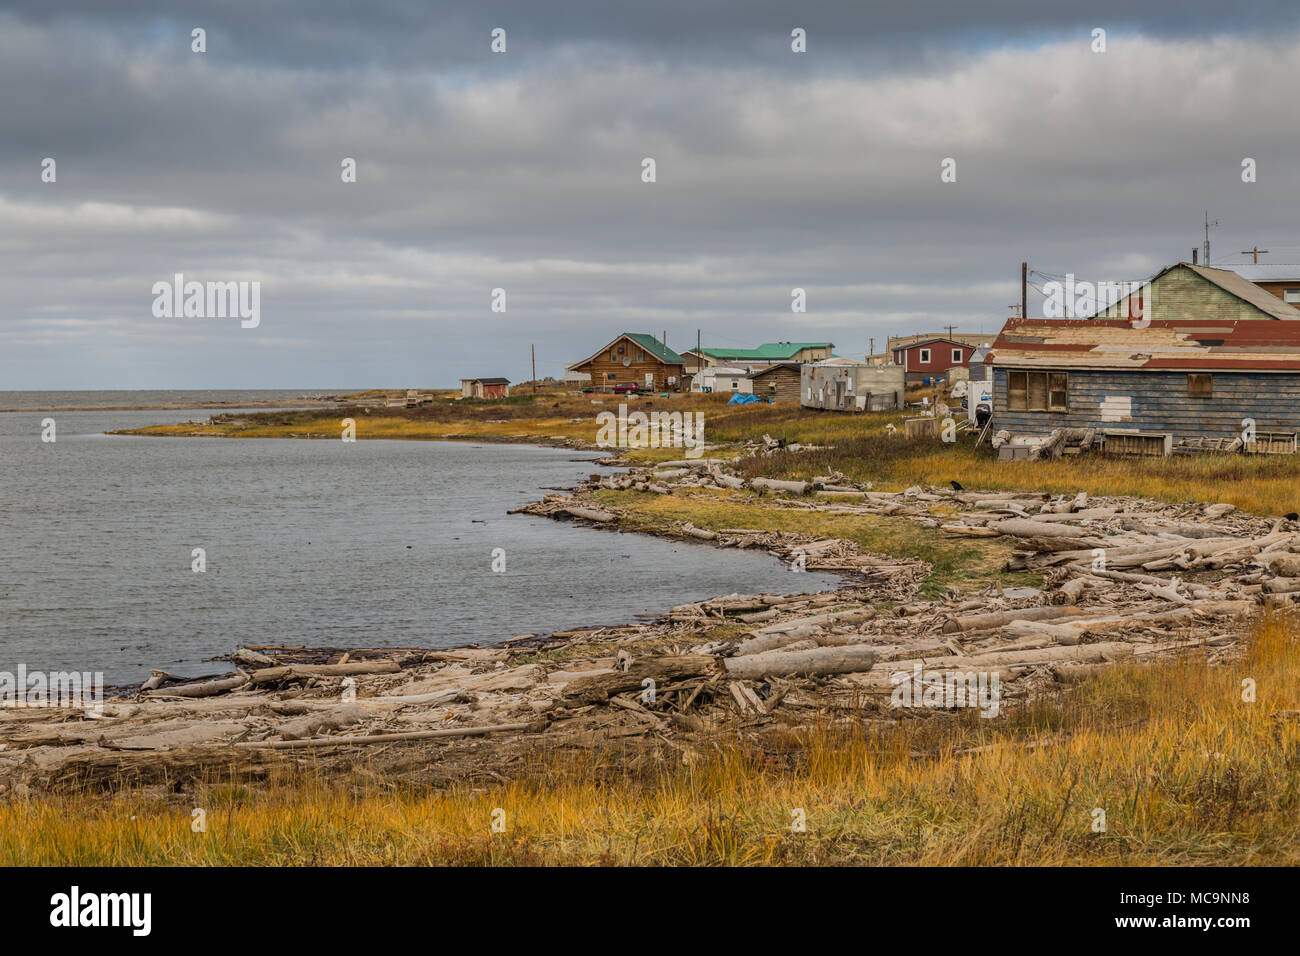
[654,347]
[774,351]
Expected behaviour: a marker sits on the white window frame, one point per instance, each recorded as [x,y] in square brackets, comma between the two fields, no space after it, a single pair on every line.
[1291,295]
[956,355]
[925,357]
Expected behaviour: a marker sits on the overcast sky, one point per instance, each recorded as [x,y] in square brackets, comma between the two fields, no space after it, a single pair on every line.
[523,171]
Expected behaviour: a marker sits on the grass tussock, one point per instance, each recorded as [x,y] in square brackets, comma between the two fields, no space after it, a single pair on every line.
[1185,771]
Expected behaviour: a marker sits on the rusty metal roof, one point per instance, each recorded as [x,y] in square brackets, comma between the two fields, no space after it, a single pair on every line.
[1246,345]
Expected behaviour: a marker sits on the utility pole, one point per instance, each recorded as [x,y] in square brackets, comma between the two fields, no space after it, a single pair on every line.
[1015,309]
[950,329]
[533,349]
[1024,290]
[1208,224]
[1255,253]
[871,350]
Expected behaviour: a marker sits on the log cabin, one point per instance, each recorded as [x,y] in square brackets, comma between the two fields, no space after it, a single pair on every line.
[778,382]
[634,358]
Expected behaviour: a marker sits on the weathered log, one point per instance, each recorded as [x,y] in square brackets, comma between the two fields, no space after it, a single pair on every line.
[157,678]
[773,640]
[1031,528]
[200,689]
[772,484]
[1070,591]
[993,619]
[1283,565]
[302,671]
[322,722]
[702,533]
[852,616]
[599,688]
[814,662]
[358,740]
[1083,653]
[590,514]
[1060,543]
[246,656]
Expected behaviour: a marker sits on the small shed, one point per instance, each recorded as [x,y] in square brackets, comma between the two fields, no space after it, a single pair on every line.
[780,381]
[849,386]
[485,388]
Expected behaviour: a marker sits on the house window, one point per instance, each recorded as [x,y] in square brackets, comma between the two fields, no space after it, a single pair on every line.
[1291,295]
[925,356]
[613,356]
[1037,391]
[1200,386]
[640,356]
[956,355]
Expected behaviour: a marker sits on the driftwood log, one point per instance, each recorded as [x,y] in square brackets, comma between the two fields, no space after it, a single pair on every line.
[600,687]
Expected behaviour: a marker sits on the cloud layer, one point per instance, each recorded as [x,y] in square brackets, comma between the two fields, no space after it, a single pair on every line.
[775,170]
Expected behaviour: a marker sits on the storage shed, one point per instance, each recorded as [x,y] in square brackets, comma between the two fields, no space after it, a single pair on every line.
[485,388]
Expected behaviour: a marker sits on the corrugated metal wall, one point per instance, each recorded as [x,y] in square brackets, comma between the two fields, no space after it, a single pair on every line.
[1158,401]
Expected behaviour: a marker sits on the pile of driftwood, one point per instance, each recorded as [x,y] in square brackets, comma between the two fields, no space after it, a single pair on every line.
[1123,580]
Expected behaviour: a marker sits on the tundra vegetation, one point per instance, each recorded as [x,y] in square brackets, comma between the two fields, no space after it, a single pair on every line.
[1185,772]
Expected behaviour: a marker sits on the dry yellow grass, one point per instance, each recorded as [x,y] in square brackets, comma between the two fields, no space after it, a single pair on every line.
[1185,771]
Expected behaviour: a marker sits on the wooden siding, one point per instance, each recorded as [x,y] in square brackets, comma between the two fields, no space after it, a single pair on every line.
[941,360]
[780,385]
[1180,294]
[1159,402]
[1278,288]
[606,373]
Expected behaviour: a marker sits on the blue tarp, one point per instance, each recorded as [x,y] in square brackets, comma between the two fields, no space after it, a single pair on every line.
[739,399]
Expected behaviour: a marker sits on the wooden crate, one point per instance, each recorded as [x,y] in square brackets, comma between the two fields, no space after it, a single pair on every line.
[920,427]
[1272,443]
[1141,444]
[1206,446]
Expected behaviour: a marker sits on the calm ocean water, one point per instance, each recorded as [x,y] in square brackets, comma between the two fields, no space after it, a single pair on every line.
[109,397]
[318,543]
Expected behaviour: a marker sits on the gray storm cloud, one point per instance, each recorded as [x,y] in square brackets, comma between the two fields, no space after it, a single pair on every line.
[522,171]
